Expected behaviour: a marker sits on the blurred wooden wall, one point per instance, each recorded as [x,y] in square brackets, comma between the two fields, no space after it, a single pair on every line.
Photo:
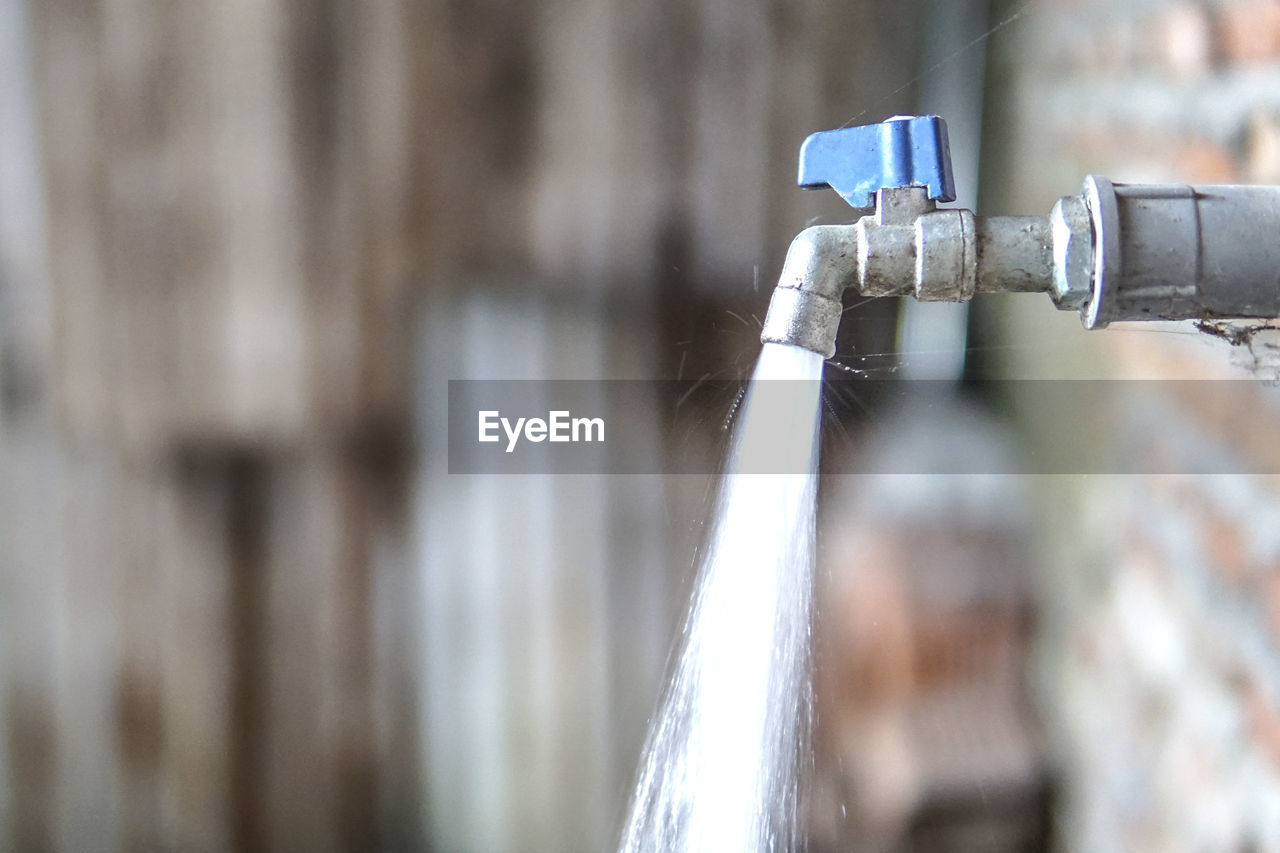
[233,224]
[209,311]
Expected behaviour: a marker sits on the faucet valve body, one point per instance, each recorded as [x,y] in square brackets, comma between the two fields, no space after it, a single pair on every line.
[1114,252]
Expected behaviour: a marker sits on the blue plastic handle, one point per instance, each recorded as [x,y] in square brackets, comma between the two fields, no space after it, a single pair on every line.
[907,151]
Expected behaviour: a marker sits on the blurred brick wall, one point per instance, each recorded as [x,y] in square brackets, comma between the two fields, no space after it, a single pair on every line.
[1157,671]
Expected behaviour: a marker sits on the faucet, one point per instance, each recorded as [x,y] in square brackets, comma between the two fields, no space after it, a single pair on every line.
[1114,252]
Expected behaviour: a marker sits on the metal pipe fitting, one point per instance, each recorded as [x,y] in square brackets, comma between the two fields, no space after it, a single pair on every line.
[1114,252]
[1176,252]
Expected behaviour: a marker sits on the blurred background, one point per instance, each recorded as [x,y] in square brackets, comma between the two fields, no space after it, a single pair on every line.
[243,247]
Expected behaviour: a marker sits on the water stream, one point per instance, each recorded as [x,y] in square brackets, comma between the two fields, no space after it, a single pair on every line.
[721,765]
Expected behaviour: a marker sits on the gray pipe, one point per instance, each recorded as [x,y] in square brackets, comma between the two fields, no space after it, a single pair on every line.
[1171,251]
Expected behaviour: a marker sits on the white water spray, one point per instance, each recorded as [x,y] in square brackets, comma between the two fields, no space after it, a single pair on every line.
[721,765]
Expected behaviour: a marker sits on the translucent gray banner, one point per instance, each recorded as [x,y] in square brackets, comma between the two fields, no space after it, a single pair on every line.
[870,426]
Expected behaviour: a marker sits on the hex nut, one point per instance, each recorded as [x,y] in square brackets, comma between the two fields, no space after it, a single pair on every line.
[1072,231]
